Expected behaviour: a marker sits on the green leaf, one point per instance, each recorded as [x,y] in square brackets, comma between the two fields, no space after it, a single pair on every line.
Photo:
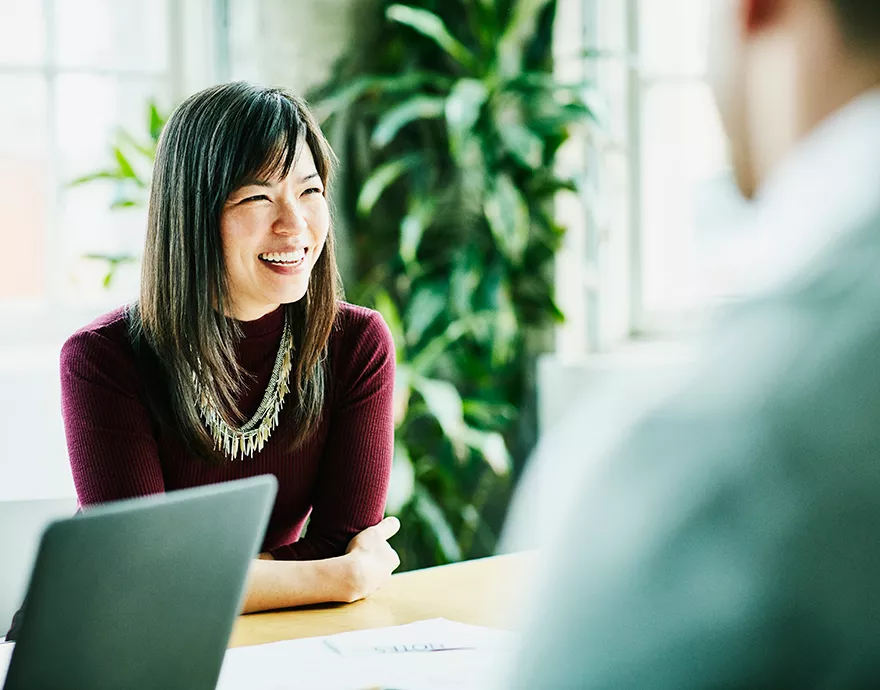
[342,98]
[463,283]
[543,81]
[491,445]
[506,327]
[463,106]
[125,168]
[508,217]
[389,311]
[92,177]
[526,146]
[413,226]
[512,46]
[395,119]
[426,304]
[558,118]
[431,26]
[547,185]
[149,152]
[402,392]
[444,403]
[490,414]
[382,178]
[402,484]
[428,356]
[125,203]
[157,122]
[432,515]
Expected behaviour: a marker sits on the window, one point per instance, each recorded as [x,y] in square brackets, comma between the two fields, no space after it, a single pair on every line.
[73,73]
[660,201]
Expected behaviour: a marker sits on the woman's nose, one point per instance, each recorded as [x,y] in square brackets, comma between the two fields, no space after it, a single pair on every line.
[291,219]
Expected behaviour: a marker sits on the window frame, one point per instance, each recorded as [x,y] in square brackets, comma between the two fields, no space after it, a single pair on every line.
[610,310]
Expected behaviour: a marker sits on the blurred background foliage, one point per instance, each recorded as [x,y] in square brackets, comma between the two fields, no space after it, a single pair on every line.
[132,164]
[447,120]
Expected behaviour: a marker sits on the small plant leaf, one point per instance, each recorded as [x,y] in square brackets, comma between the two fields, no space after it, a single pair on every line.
[402,484]
[126,169]
[432,515]
[526,146]
[444,403]
[398,117]
[431,26]
[463,106]
[382,178]
[508,217]
[413,226]
[157,122]
[427,303]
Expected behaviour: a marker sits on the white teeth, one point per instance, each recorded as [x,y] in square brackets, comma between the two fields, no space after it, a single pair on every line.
[285,257]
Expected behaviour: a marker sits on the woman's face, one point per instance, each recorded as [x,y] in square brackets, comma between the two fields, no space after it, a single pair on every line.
[273,232]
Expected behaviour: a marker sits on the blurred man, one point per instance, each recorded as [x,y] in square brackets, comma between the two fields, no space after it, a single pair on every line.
[730,535]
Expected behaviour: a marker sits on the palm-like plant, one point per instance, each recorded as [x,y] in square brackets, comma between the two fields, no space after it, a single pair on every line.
[448,126]
[130,176]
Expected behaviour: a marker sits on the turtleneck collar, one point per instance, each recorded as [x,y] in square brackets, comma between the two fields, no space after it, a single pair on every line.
[273,322]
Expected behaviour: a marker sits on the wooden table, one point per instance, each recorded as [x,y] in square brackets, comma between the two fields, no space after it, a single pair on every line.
[475,592]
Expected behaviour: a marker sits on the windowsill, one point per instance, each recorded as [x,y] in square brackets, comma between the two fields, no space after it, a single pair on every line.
[564,380]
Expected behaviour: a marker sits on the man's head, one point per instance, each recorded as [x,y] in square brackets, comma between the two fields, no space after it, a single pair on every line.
[780,67]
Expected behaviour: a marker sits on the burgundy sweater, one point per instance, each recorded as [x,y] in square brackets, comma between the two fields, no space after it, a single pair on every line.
[340,474]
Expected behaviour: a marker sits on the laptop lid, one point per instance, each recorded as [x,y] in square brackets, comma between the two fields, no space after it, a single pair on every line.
[141,593]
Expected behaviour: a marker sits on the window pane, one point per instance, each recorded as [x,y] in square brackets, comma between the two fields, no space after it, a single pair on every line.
[88,226]
[684,154]
[113,34]
[611,24]
[674,35]
[24,185]
[22,32]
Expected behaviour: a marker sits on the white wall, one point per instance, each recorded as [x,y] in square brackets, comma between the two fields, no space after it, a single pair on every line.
[33,454]
[290,43]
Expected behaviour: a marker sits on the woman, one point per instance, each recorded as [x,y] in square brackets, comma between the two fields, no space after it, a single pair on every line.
[238,359]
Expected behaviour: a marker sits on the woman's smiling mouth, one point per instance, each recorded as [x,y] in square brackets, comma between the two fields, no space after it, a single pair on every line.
[285,259]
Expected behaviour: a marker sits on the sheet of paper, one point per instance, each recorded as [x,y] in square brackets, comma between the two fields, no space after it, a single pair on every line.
[433,635]
[5,656]
[313,663]
[316,663]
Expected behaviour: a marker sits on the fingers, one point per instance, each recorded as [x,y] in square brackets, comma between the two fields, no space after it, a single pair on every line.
[387,528]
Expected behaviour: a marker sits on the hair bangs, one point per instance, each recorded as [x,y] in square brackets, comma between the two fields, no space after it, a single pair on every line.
[273,134]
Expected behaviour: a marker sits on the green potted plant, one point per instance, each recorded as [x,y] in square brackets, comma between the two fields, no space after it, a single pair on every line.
[448,123]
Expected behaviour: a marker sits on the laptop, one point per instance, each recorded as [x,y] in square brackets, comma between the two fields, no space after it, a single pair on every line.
[140,593]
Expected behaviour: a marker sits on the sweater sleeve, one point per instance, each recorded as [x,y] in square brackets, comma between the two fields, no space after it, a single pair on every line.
[110,440]
[356,466]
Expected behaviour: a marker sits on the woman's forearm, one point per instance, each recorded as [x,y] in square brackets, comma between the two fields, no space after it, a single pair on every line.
[367,565]
[282,584]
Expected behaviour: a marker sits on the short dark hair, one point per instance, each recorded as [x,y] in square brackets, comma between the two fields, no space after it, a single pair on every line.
[213,142]
[860,22]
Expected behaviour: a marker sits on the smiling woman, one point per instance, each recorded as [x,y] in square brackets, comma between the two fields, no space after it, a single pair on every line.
[239,359]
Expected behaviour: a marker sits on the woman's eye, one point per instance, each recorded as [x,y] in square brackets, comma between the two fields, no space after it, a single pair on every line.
[258,197]
[313,190]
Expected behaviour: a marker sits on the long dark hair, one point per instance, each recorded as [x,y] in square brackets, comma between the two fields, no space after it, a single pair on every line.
[212,143]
